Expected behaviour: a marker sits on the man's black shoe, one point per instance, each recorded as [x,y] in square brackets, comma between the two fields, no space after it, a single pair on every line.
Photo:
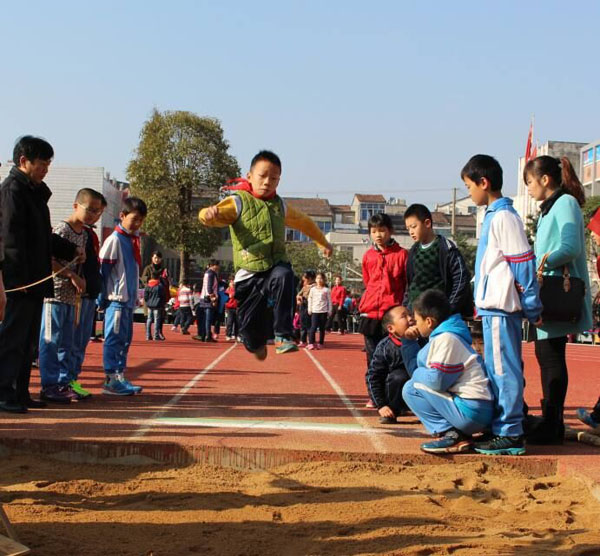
[12,407]
[34,404]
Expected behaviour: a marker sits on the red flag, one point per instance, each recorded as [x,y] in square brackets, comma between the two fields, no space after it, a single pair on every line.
[534,151]
[529,142]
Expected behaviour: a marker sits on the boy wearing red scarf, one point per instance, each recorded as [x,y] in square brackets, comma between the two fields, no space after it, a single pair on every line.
[257,217]
[120,260]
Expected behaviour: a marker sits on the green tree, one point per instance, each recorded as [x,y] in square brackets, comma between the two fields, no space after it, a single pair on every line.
[180,163]
[307,256]
[467,250]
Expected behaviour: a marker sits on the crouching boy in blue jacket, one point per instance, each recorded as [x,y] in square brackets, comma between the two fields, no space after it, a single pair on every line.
[449,390]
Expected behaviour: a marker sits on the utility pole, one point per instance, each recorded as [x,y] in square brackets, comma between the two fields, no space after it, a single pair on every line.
[453,226]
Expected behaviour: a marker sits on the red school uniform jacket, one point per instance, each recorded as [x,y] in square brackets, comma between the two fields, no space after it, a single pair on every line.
[338,295]
[384,276]
[231,303]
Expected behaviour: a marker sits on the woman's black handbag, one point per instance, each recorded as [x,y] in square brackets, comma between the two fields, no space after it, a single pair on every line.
[562,296]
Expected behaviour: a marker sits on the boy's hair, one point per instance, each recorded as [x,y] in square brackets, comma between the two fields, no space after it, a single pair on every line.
[420,212]
[337,276]
[483,166]
[86,193]
[213,262]
[157,253]
[434,304]
[134,204]
[388,317]
[269,156]
[32,148]
[381,220]
[309,275]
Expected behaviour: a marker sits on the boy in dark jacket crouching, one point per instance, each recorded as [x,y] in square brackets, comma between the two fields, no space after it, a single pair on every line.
[387,374]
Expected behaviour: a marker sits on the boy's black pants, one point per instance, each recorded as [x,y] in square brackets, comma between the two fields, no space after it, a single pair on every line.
[275,288]
[19,335]
[232,326]
[317,320]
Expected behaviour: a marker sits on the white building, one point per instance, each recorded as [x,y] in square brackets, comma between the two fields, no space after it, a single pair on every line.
[66,181]
[590,168]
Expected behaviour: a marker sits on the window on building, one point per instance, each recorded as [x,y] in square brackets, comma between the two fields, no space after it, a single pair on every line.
[295,235]
[325,227]
[369,209]
[472,210]
[588,157]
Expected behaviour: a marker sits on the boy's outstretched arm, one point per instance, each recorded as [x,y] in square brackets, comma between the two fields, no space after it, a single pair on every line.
[224,213]
[296,219]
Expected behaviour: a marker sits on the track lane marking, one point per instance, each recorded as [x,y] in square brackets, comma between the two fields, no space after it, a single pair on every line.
[143,430]
[372,435]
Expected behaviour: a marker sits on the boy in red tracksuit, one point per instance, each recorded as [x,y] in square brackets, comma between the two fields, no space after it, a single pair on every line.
[384,276]
[338,313]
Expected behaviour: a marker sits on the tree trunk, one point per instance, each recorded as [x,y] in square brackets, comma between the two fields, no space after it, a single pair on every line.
[184,259]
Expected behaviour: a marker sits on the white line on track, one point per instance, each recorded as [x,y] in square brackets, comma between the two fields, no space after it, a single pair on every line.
[372,435]
[142,431]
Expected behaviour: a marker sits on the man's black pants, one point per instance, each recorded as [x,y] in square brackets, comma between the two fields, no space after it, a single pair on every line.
[19,336]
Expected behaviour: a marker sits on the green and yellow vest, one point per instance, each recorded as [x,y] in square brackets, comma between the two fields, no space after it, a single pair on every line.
[258,235]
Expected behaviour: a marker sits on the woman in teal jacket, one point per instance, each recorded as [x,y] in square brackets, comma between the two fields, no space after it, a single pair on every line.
[560,233]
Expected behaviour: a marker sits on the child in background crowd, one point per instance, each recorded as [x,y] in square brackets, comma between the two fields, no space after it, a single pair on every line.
[308,281]
[337,321]
[155,298]
[264,280]
[207,304]
[387,374]
[121,259]
[231,331]
[506,289]
[384,276]
[61,313]
[319,308]
[185,299]
[435,261]
[448,390]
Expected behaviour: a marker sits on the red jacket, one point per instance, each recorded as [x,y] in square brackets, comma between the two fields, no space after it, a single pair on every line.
[384,275]
[232,301]
[338,294]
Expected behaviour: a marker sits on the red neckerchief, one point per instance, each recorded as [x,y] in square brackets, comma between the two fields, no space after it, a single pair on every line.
[241,184]
[135,240]
[95,240]
[397,341]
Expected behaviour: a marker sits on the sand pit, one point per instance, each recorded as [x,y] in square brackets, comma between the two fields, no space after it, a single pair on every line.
[296,509]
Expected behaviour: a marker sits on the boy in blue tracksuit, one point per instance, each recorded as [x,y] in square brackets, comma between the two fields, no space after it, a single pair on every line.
[449,390]
[120,260]
[506,290]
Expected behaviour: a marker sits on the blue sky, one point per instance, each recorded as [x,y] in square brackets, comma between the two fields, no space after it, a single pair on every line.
[382,96]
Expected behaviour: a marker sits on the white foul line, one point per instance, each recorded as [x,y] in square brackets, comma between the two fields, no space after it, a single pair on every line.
[372,435]
[142,431]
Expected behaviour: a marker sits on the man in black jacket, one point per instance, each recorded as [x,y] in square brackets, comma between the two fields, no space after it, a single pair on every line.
[28,249]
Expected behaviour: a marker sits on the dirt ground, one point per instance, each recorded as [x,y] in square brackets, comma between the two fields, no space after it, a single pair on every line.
[297,509]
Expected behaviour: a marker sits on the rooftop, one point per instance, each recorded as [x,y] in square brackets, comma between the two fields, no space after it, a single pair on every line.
[361,198]
[311,206]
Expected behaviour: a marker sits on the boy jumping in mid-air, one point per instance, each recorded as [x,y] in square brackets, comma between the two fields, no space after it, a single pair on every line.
[257,217]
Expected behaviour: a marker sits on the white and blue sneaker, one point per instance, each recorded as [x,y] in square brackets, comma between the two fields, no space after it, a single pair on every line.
[116,385]
[136,389]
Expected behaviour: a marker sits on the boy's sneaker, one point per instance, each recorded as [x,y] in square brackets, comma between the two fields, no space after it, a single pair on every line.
[284,345]
[198,338]
[388,420]
[136,389]
[302,344]
[174,329]
[148,339]
[116,385]
[56,394]
[451,442]
[586,417]
[370,404]
[310,346]
[160,338]
[319,346]
[81,392]
[260,353]
[502,446]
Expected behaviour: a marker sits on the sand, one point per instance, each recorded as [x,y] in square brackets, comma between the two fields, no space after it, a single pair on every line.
[316,508]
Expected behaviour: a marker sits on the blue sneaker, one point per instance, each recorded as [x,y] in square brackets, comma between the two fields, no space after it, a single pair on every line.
[116,385]
[284,345]
[452,442]
[502,446]
[585,416]
[136,389]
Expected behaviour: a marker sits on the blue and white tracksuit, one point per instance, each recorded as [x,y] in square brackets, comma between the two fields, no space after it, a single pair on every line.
[506,290]
[449,387]
[120,277]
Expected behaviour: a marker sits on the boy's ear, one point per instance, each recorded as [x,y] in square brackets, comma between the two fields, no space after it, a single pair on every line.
[428,223]
[431,322]
[485,184]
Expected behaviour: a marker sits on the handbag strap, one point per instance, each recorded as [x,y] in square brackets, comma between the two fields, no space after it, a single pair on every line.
[566,273]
